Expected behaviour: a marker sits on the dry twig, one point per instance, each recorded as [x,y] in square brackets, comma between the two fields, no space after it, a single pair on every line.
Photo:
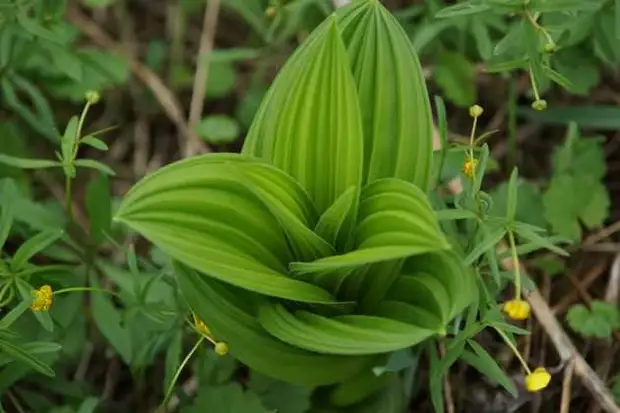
[209,26]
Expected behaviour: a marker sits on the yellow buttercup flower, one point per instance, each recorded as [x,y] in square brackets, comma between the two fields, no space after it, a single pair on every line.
[202,327]
[469,167]
[537,380]
[517,309]
[42,298]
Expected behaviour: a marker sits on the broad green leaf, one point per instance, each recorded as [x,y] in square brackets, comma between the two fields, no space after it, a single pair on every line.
[309,124]
[598,321]
[393,98]
[482,36]
[27,163]
[231,317]
[345,335]
[216,214]
[337,223]
[33,246]
[395,221]
[218,129]
[279,396]
[358,389]
[227,398]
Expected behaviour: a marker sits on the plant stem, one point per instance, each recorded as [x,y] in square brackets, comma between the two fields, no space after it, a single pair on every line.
[515,264]
[68,203]
[512,347]
[175,378]
[74,289]
[512,124]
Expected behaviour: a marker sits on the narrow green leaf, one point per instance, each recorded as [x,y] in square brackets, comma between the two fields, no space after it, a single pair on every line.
[541,241]
[21,355]
[94,142]
[455,214]
[464,8]
[8,190]
[486,365]
[69,140]
[33,246]
[14,314]
[24,163]
[491,238]
[511,203]
[93,164]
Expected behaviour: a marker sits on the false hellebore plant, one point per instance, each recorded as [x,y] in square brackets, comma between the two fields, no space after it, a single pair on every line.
[315,254]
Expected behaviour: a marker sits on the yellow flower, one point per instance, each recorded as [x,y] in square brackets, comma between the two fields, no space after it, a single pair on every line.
[221,348]
[517,309]
[469,166]
[42,298]
[271,11]
[537,380]
[201,327]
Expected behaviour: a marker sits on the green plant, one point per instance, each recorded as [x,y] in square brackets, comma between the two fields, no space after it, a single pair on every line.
[334,257]
[325,263]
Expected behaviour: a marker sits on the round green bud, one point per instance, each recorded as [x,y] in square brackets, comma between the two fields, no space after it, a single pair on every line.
[475,111]
[539,104]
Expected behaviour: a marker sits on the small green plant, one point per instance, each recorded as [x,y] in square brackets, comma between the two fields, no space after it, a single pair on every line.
[599,320]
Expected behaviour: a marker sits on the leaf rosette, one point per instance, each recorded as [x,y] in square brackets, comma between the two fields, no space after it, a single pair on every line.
[315,253]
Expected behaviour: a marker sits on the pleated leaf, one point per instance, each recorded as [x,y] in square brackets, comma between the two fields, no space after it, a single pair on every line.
[207,214]
[395,221]
[338,221]
[230,316]
[452,289]
[392,92]
[346,335]
[309,124]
